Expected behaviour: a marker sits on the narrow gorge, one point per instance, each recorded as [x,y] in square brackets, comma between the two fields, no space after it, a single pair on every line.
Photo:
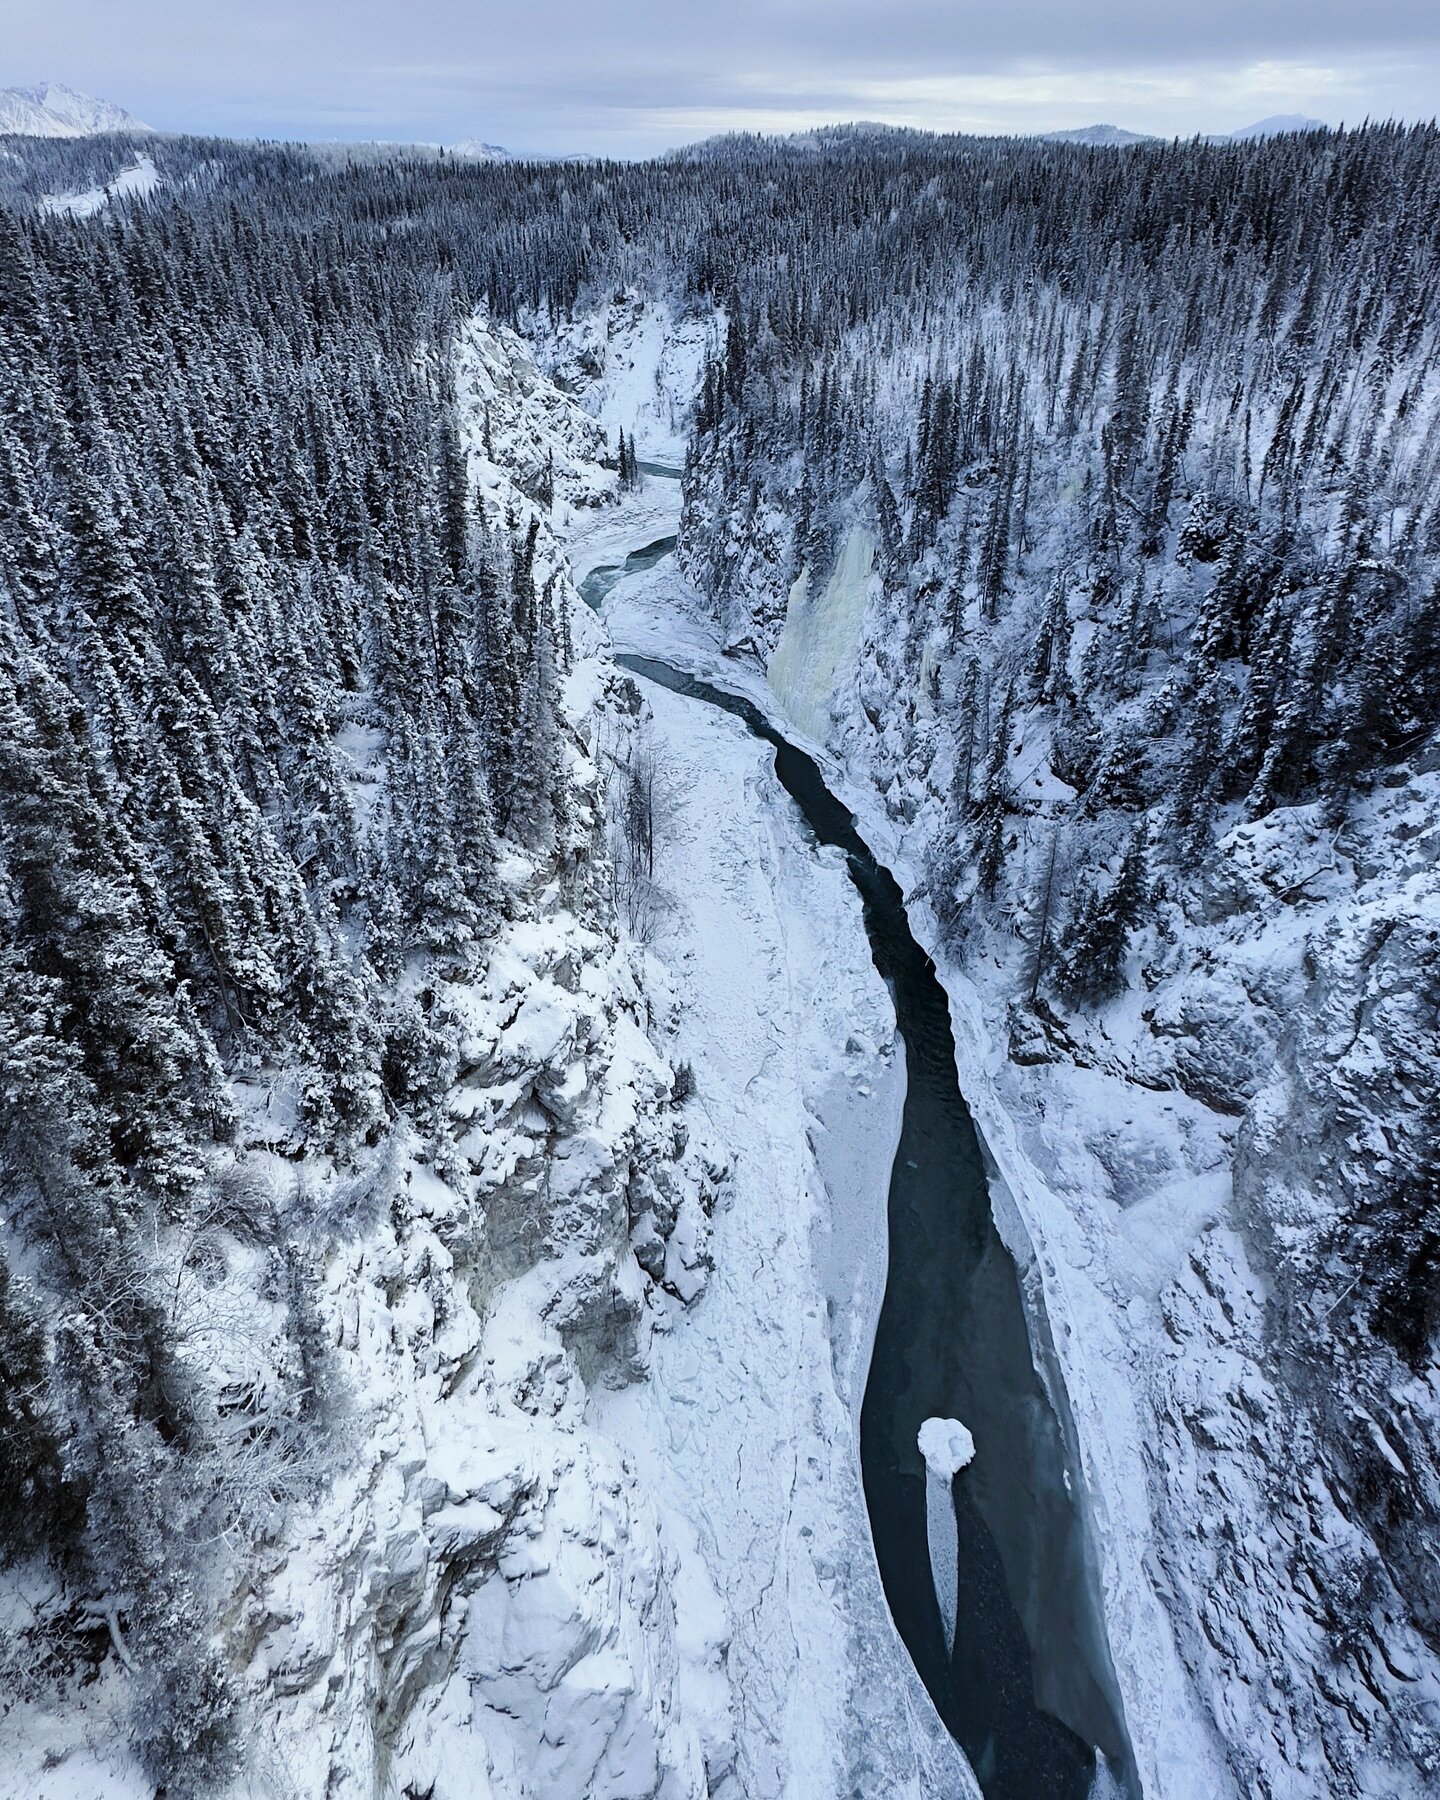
[719,951]
[951,1337]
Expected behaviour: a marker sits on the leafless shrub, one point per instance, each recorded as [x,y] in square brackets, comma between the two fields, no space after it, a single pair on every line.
[641,810]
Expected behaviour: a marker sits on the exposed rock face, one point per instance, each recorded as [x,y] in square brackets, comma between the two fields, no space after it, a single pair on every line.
[486,1590]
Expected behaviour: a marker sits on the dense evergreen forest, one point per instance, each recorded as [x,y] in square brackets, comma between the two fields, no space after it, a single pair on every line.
[240,566]
[1149,441]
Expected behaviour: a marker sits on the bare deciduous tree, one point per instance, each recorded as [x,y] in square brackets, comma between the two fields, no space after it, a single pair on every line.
[641,807]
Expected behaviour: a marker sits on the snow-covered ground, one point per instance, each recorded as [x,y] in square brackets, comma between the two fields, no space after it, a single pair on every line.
[636,366]
[1127,1161]
[639,518]
[748,1426]
[134,183]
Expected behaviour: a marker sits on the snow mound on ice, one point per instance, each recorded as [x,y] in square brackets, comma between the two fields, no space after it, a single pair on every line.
[946,1446]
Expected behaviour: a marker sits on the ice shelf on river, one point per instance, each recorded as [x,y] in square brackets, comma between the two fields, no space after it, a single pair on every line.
[947,1447]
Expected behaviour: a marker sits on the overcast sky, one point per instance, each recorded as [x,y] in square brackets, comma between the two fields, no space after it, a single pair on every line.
[632,76]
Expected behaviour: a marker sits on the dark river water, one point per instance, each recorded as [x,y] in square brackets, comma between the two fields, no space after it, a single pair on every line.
[598,583]
[1027,1690]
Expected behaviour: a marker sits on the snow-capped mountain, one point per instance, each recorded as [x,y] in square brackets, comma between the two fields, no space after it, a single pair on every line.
[51,110]
[474,150]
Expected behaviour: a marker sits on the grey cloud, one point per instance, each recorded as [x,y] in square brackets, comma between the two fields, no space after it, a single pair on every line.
[629,77]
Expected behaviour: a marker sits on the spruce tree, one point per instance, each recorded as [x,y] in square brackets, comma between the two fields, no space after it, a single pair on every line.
[1090,969]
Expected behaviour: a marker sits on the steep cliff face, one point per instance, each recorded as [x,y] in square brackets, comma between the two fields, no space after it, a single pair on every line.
[485,1605]
[486,1588]
[473,1595]
[559,1531]
[1192,1159]
[632,363]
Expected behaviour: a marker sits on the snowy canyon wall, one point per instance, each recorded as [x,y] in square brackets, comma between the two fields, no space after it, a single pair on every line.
[1086,507]
[493,1520]
[467,1590]
[1211,1163]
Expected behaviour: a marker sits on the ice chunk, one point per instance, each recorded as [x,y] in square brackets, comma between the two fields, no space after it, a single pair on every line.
[947,1447]
[821,635]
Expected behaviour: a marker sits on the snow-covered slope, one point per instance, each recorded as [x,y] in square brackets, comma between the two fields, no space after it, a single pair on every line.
[52,110]
[475,1596]
[634,364]
[134,183]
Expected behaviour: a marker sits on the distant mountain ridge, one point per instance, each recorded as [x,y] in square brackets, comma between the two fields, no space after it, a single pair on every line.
[1099,134]
[851,137]
[51,110]
[1116,136]
[1275,126]
[473,150]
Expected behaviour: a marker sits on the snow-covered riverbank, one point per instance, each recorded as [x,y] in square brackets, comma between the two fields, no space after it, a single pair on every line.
[658,613]
[1118,1192]
[747,1429]
[1135,1160]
